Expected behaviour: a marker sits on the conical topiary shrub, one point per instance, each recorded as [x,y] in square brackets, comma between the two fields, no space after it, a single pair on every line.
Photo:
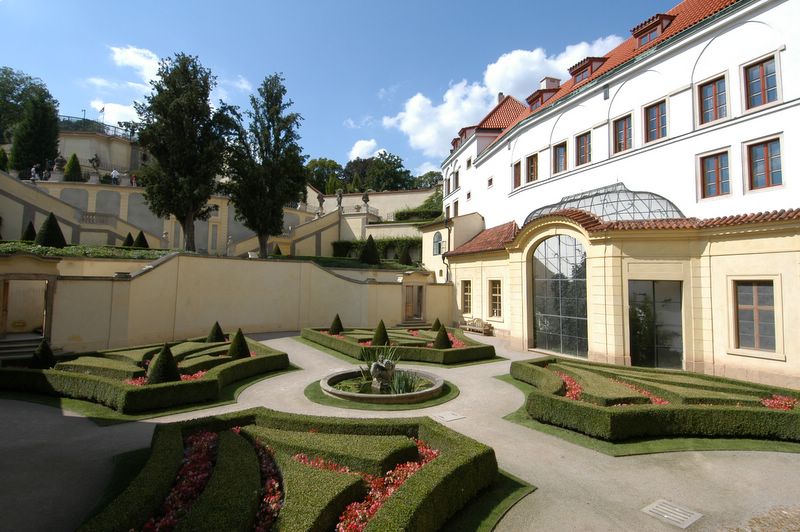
[380,337]
[277,250]
[140,241]
[50,233]
[336,326]
[369,253]
[239,347]
[29,234]
[405,257]
[442,341]
[128,242]
[163,367]
[72,171]
[436,325]
[215,334]
[43,356]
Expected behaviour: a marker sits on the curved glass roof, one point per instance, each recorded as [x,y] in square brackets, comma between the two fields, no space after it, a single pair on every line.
[614,203]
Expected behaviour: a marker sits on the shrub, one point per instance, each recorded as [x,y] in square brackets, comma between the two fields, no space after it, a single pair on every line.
[141,241]
[72,171]
[3,160]
[417,214]
[369,253]
[215,334]
[436,325]
[380,337]
[50,233]
[238,348]
[405,257]
[277,251]
[442,341]
[128,242]
[103,367]
[336,326]
[43,356]
[29,235]
[163,367]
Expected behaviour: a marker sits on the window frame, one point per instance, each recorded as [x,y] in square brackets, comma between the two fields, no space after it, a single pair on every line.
[747,159]
[490,182]
[701,173]
[535,158]
[439,242]
[775,57]
[455,208]
[733,332]
[491,300]
[516,175]
[699,99]
[651,36]
[563,145]
[582,75]
[456,184]
[466,296]
[659,125]
[629,138]
[469,163]
[586,135]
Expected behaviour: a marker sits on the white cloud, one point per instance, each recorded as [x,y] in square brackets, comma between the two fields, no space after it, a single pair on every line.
[243,84]
[364,148]
[426,167]
[102,83]
[364,121]
[387,93]
[114,112]
[142,60]
[430,127]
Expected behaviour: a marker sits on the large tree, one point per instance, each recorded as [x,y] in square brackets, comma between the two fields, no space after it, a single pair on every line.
[188,139]
[36,133]
[266,163]
[382,172]
[320,171]
[428,179]
[15,89]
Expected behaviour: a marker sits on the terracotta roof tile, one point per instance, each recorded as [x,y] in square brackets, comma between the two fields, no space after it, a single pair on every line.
[687,14]
[493,239]
[503,114]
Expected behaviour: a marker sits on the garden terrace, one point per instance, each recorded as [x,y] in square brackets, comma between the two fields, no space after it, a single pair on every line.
[623,403]
[328,471]
[116,378]
[411,344]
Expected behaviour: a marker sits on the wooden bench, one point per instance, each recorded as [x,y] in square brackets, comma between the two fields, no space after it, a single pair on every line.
[477,325]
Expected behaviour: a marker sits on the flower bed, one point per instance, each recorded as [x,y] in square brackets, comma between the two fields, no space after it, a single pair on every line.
[658,403]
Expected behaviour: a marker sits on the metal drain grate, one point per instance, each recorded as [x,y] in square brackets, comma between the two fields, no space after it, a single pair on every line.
[444,417]
[671,513]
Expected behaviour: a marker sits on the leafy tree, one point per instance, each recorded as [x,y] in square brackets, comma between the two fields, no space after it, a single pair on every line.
[267,162]
[380,336]
[163,367]
[428,179]
[72,171]
[369,253]
[239,347]
[43,357]
[336,326]
[436,325]
[333,184]
[277,251]
[215,334]
[187,137]
[382,172]
[355,173]
[50,233]
[29,234]
[442,340]
[36,133]
[320,171]
[141,241]
[128,242]
[15,89]
[3,160]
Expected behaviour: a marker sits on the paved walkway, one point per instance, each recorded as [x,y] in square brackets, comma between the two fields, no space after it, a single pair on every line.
[54,465]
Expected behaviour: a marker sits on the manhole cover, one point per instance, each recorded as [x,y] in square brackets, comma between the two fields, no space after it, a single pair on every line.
[671,513]
[444,417]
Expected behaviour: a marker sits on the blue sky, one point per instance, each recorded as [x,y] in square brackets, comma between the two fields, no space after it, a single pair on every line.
[366,75]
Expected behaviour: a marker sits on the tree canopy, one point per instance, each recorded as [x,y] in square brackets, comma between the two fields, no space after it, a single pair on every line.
[16,88]
[188,139]
[320,171]
[266,162]
[36,133]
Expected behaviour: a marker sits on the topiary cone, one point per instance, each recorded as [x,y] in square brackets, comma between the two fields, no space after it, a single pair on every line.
[436,325]
[215,334]
[442,340]
[239,347]
[128,242]
[336,326]
[140,241]
[163,367]
[30,233]
[50,233]
[43,356]
[277,251]
[380,337]
[369,253]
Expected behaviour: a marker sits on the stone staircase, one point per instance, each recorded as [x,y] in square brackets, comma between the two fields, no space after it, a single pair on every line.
[414,324]
[18,347]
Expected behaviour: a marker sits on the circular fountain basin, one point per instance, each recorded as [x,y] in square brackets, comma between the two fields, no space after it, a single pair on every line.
[327,384]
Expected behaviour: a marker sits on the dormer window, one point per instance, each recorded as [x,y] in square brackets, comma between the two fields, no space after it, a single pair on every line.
[585,68]
[582,75]
[649,36]
[651,29]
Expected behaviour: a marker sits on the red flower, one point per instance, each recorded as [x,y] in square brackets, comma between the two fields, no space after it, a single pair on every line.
[779,402]
[366,343]
[271,496]
[138,381]
[574,389]
[194,376]
[654,399]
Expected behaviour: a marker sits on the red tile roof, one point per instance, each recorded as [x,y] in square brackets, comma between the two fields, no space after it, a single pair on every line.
[503,114]
[493,239]
[687,14]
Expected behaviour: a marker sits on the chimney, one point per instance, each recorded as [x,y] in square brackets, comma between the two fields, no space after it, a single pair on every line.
[549,83]
[500,97]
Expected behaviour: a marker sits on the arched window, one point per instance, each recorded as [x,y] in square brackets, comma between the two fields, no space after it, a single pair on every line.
[437,243]
[559,296]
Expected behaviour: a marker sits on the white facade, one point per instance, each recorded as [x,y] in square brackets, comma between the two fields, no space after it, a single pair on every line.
[721,47]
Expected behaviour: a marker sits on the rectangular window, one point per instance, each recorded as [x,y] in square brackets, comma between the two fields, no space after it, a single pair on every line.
[455,180]
[714,169]
[755,315]
[496,299]
[647,37]
[455,208]
[583,149]
[469,163]
[761,83]
[582,75]
[559,157]
[655,117]
[713,102]
[446,187]
[532,168]
[489,182]
[466,297]
[469,196]
[622,134]
[447,212]
[765,164]
[517,172]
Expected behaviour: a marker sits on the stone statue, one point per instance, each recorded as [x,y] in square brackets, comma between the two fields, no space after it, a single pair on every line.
[60,162]
[321,200]
[95,162]
[339,193]
[365,196]
[382,372]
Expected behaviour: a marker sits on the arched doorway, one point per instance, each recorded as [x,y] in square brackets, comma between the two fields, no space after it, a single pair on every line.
[559,296]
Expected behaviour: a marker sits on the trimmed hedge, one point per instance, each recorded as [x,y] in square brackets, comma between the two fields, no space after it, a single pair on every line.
[417,214]
[201,362]
[600,390]
[102,367]
[215,334]
[163,368]
[230,499]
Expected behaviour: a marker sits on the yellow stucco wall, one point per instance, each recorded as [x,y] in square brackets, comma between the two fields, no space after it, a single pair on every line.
[25,306]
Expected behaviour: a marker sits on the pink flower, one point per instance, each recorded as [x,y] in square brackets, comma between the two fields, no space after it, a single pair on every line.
[138,381]
[779,402]
[366,343]
[194,376]
[654,399]
[574,389]
[413,332]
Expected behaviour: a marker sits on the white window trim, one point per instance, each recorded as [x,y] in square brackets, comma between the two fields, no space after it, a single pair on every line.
[575,144]
[698,172]
[489,316]
[612,134]
[524,178]
[775,54]
[698,105]
[645,142]
[519,162]
[779,353]
[746,164]
[553,146]
[471,297]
